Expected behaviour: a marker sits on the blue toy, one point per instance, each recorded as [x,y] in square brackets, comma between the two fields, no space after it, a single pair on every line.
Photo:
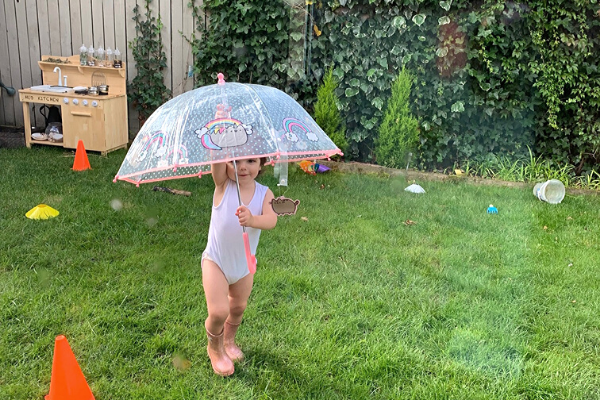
[492,210]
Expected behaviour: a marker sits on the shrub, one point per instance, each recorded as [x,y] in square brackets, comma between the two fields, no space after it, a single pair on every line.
[327,113]
[147,90]
[399,131]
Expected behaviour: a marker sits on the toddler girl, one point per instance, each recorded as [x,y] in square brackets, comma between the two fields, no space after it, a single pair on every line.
[225,277]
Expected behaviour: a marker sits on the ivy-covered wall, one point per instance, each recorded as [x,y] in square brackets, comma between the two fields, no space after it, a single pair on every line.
[492,77]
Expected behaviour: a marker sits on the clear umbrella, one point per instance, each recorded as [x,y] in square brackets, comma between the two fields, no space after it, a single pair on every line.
[219,123]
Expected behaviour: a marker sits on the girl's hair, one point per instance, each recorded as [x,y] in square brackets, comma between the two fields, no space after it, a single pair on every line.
[263,161]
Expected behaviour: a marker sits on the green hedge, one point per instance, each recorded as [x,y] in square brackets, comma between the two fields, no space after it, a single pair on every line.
[492,77]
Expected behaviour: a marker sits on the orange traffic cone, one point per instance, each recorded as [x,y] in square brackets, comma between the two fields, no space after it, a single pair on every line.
[67,382]
[81,160]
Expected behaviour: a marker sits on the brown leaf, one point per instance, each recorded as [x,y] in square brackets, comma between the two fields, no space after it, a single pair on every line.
[545,228]
[304,219]
[409,222]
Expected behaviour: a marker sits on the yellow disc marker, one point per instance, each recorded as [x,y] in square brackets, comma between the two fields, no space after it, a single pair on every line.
[42,211]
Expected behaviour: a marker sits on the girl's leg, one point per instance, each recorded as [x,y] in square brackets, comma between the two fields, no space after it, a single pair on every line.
[239,293]
[216,289]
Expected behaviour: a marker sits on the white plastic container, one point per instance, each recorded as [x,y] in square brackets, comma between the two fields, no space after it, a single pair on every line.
[552,191]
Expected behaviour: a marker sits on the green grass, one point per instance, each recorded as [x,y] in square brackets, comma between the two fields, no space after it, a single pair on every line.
[349,303]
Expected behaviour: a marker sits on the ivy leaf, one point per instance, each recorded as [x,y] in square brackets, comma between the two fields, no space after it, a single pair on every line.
[383,62]
[457,107]
[377,102]
[296,36]
[399,22]
[473,17]
[444,20]
[354,82]
[350,92]
[366,88]
[442,52]
[485,86]
[329,16]
[419,19]
[396,50]
[446,4]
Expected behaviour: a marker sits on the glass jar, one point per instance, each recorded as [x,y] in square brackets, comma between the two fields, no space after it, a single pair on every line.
[100,57]
[83,54]
[108,58]
[91,56]
[117,62]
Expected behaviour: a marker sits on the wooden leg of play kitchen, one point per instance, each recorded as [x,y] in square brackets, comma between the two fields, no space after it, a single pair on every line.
[27,122]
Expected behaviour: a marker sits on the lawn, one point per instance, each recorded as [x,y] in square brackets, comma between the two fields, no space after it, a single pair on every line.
[367,292]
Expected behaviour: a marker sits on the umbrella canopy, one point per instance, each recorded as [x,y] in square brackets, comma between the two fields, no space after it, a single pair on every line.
[218,123]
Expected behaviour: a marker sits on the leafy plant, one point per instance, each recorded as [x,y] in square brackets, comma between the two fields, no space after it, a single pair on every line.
[327,114]
[254,41]
[147,90]
[491,77]
[399,131]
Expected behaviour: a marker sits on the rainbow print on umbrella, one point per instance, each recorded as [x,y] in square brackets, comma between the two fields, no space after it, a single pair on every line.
[155,140]
[182,153]
[290,123]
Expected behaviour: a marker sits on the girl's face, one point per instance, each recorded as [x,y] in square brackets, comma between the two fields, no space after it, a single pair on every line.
[247,170]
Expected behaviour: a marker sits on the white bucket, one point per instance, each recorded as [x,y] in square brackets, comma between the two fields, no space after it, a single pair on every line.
[552,191]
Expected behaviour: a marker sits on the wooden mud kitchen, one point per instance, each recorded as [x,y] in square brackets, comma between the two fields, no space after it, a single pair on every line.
[99,120]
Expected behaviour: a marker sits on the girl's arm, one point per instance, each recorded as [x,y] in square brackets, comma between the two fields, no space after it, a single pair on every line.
[219,174]
[266,221]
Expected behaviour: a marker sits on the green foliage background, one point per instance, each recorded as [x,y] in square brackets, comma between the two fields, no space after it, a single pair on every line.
[399,130]
[492,77]
[327,114]
[147,90]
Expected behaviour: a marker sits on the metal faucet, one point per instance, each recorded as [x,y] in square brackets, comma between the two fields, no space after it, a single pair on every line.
[59,75]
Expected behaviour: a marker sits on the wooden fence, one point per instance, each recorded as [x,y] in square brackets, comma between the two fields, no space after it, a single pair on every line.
[32,28]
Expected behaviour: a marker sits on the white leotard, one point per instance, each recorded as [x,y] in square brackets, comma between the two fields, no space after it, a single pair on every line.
[225,246]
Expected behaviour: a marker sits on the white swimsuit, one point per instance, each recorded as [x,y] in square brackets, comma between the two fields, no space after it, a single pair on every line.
[225,246]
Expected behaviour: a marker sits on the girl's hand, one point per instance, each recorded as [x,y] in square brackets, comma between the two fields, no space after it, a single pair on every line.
[244,215]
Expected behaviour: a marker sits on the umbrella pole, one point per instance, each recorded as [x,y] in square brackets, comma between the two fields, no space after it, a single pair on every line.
[250,259]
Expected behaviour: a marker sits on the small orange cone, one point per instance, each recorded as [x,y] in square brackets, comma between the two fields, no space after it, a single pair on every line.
[81,159]
[67,382]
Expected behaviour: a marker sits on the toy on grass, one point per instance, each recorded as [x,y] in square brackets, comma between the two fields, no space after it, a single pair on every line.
[313,168]
[492,210]
[42,211]
[414,188]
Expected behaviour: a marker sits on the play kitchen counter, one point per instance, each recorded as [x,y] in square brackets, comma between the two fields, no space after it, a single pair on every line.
[100,121]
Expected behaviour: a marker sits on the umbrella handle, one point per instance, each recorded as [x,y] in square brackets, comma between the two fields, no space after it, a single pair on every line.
[250,259]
